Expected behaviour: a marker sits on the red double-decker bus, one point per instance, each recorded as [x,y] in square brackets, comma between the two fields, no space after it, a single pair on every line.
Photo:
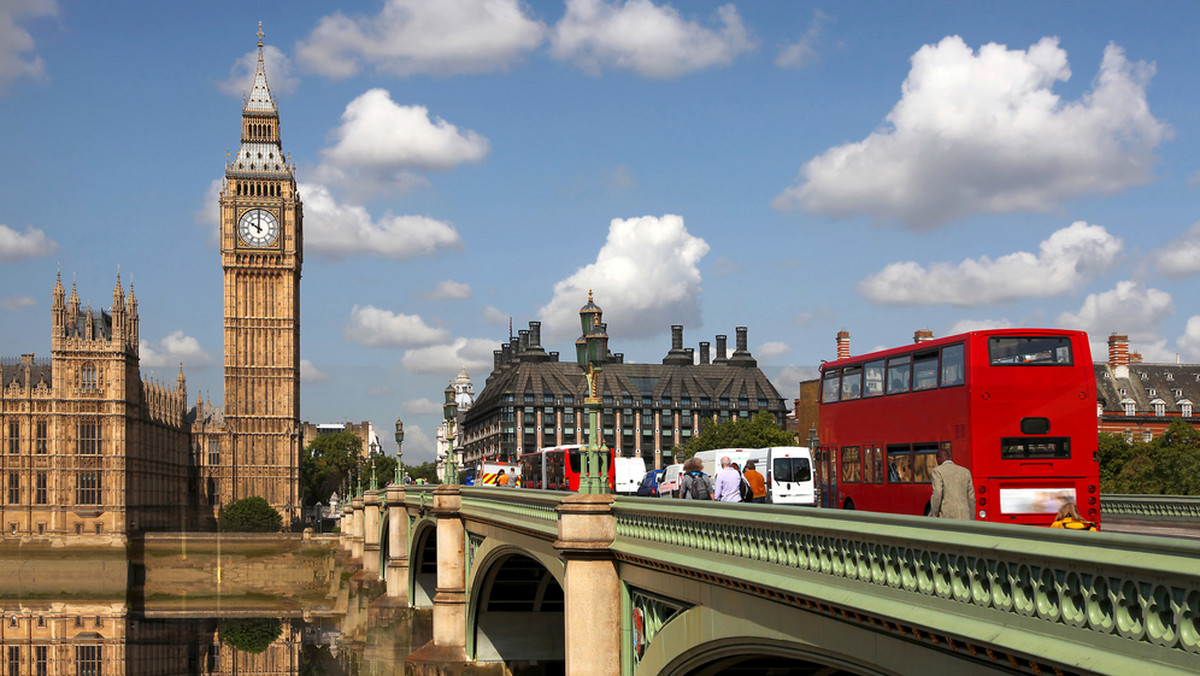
[558,468]
[1017,407]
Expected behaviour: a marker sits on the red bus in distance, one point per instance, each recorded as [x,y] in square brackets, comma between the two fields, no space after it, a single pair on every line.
[1017,407]
[557,468]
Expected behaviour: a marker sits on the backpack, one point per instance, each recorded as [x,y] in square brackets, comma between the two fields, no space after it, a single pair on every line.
[698,487]
[745,491]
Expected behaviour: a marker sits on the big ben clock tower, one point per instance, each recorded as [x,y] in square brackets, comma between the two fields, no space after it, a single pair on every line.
[261,253]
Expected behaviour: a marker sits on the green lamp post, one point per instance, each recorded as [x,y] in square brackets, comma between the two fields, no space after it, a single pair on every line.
[399,452]
[591,350]
[449,411]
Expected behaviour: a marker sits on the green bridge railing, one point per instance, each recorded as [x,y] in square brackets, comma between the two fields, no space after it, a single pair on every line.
[1181,508]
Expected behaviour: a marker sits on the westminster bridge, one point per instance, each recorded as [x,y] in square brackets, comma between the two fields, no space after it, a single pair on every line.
[634,586]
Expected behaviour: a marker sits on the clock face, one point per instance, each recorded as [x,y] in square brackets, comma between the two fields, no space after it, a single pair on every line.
[258,227]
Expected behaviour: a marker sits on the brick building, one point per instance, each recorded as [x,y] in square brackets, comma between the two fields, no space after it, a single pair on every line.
[533,400]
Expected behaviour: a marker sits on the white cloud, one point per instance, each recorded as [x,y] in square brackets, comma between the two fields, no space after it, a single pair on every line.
[279,73]
[209,213]
[172,350]
[309,373]
[1181,256]
[416,36]
[14,303]
[768,351]
[985,133]
[471,353]
[1129,308]
[448,289]
[803,52]
[645,274]
[380,143]
[15,246]
[1065,260]
[651,40]
[819,314]
[15,40]
[373,327]
[787,381]
[1189,342]
[965,325]
[421,406]
[336,230]
[494,316]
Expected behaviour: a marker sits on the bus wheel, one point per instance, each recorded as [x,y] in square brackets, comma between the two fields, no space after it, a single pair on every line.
[849,504]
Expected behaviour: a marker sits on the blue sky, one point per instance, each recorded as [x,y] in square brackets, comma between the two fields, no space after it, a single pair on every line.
[798,168]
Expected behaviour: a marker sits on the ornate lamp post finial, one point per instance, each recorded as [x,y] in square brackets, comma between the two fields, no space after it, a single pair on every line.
[449,412]
[591,349]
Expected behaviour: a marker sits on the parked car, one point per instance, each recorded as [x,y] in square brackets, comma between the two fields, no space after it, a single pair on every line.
[649,484]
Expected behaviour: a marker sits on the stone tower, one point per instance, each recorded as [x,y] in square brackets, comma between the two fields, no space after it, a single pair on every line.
[261,253]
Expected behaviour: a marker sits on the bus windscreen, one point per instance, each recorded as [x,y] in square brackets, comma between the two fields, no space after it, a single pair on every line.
[1038,351]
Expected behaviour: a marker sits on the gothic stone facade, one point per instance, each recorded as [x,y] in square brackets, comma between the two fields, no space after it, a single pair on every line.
[89,447]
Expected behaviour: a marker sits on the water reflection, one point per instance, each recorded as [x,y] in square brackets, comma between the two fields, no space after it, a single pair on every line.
[57,638]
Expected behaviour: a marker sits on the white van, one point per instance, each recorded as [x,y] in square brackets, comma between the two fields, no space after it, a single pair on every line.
[629,473]
[669,486]
[712,459]
[789,474]
[788,470]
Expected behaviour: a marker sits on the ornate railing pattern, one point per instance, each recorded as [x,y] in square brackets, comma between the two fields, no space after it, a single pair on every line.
[528,509]
[1143,589]
[1151,507]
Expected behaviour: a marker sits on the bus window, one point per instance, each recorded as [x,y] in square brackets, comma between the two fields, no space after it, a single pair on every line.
[831,386]
[899,460]
[897,374]
[872,465]
[851,382]
[873,379]
[1037,448]
[952,365]
[1041,351]
[925,371]
[877,459]
[850,465]
[924,460]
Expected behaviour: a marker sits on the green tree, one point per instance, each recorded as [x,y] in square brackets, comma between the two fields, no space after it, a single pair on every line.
[426,471]
[249,515]
[1167,465]
[758,432]
[249,634]
[326,464]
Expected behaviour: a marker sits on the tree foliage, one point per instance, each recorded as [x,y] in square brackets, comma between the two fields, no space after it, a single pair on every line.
[1167,465]
[325,465]
[249,634]
[249,515]
[758,432]
[426,471]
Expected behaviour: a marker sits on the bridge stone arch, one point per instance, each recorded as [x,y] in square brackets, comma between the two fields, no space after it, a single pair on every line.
[717,629]
[515,603]
[423,561]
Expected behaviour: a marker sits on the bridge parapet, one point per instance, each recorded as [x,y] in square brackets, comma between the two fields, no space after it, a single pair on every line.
[1152,507]
[1095,601]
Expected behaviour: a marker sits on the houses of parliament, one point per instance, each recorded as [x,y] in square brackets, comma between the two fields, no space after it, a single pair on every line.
[92,451]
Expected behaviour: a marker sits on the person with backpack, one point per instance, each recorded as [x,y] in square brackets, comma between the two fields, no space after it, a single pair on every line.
[1068,517]
[728,486]
[694,484]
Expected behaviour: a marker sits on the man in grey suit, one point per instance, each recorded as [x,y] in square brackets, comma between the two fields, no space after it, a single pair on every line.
[953,494]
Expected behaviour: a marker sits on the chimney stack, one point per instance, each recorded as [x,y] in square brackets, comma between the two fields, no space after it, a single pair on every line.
[1118,350]
[922,335]
[843,344]
[676,336]
[721,358]
[704,352]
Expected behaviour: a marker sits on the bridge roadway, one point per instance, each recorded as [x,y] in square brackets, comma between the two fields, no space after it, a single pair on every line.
[637,586]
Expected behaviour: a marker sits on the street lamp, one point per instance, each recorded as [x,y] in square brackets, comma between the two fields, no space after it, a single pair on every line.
[449,411]
[374,453]
[590,352]
[399,453]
